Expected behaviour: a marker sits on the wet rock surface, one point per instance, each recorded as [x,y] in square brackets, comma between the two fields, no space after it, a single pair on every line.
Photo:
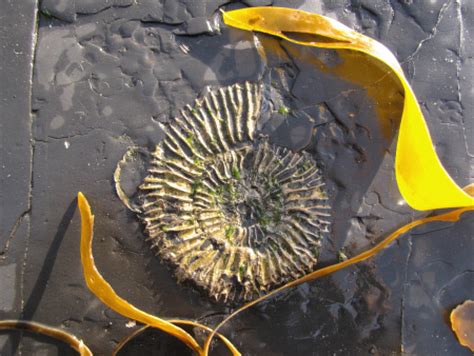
[82,81]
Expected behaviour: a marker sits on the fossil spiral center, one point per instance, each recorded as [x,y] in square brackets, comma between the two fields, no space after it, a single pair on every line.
[249,202]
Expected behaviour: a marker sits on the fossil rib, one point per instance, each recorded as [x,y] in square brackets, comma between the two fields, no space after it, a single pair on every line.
[229,211]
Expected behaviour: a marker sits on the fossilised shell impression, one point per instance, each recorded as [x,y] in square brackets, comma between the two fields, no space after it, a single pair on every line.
[232,213]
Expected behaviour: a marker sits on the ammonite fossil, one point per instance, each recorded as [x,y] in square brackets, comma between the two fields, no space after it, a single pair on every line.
[231,212]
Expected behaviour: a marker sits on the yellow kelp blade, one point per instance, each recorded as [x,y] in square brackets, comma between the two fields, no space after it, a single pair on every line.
[104,291]
[42,329]
[421,178]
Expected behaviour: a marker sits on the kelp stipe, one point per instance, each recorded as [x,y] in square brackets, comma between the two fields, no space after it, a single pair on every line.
[421,178]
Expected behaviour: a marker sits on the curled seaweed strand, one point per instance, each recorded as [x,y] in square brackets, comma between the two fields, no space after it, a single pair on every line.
[42,329]
[140,330]
[104,291]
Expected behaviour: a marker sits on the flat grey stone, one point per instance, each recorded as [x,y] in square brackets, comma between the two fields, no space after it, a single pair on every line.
[107,74]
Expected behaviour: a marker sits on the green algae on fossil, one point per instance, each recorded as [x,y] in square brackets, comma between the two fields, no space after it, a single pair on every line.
[231,212]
